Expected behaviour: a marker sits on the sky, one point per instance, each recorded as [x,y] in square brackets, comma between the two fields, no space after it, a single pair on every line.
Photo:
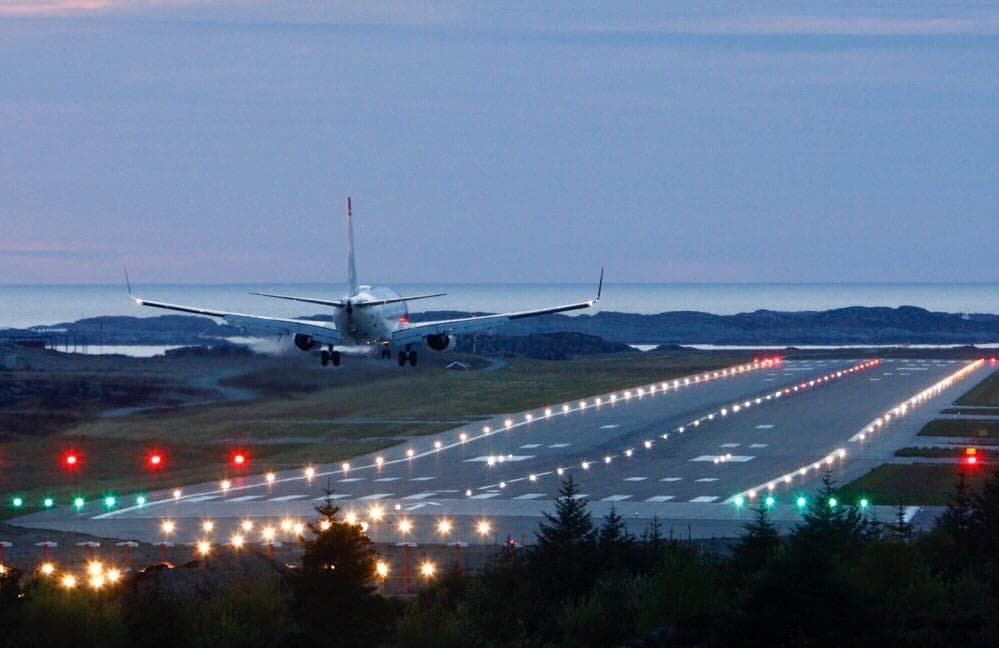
[214,141]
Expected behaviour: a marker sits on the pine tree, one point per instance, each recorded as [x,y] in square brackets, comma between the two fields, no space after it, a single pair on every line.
[900,531]
[653,534]
[759,544]
[957,520]
[335,591]
[828,529]
[565,552]
[613,541]
[571,525]
[985,515]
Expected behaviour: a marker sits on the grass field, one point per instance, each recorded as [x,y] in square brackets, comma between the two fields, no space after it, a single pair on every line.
[305,415]
[936,453]
[984,393]
[977,428]
[911,484]
[972,411]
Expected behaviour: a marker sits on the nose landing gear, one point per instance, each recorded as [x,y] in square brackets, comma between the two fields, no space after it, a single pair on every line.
[328,356]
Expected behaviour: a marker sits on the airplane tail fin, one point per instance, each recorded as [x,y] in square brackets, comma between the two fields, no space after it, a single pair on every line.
[351,267]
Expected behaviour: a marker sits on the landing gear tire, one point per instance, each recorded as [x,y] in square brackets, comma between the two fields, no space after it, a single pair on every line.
[336,358]
[324,357]
[386,353]
[402,358]
[412,358]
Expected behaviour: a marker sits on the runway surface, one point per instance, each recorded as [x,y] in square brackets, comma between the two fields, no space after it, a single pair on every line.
[680,450]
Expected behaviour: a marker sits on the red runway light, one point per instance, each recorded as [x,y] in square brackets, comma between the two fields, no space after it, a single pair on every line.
[155,460]
[70,460]
[239,458]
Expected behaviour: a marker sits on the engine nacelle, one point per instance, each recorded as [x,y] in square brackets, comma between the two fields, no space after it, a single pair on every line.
[305,342]
[441,342]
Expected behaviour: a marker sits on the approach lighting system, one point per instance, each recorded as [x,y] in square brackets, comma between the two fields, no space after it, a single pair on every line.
[155,459]
[71,460]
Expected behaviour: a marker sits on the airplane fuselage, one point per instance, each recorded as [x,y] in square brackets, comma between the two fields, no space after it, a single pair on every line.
[371,324]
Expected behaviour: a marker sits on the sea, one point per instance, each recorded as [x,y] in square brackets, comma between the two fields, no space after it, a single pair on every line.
[24,306]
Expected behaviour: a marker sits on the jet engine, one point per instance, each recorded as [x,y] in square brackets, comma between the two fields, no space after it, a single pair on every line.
[439,342]
[305,342]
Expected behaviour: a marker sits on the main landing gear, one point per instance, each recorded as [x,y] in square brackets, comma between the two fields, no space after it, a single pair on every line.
[328,356]
[407,356]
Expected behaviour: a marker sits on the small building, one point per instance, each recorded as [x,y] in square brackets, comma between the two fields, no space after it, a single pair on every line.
[12,362]
[457,365]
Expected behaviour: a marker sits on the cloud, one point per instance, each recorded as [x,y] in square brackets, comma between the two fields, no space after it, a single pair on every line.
[69,7]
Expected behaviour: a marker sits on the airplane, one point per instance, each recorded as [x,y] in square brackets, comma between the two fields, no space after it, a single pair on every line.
[367,316]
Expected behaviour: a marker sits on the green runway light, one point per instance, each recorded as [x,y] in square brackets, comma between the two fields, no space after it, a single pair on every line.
[770,501]
[78,503]
[739,500]
[18,502]
[48,502]
[801,502]
[110,501]
[832,502]
[140,500]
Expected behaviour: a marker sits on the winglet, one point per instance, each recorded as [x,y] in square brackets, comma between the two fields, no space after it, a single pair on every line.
[128,285]
[600,286]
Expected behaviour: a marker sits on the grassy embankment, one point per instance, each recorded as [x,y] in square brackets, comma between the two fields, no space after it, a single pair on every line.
[927,483]
[308,416]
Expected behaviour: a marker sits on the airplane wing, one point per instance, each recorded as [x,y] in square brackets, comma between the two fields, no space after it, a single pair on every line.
[416,331]
[322,332]
[309,300]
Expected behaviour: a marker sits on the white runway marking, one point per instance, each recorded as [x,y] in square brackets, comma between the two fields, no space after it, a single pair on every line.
[529,496]
[419,496]
[422,478]
[768,380]
[245,498]
[757,445]
[730,445]
[707,479]
[875,379]
[495,458]
[615,498]
[634,479]
[387,479]
[725,458]
[336,496]
[764,426]
[376,496]
[671,479]
[560,445]
[530,446]
[659,498]
[347,480]
[704,499]
[609,427]
[484,495]
[286,498]
[203,498]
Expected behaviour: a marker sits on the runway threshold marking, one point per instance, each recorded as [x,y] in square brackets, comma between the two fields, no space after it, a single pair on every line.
[659,498]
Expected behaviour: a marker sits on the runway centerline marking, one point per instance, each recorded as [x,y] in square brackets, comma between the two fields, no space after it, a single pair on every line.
[704,499]
[707,479]
[529,496]
[764,426]
[671,479]
[246,498]
[609,426]
[286,498]
[615,498]
[635,479]
[376,496]
[659,498]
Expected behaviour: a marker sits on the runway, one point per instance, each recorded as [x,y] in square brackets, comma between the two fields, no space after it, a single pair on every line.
[680,450]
